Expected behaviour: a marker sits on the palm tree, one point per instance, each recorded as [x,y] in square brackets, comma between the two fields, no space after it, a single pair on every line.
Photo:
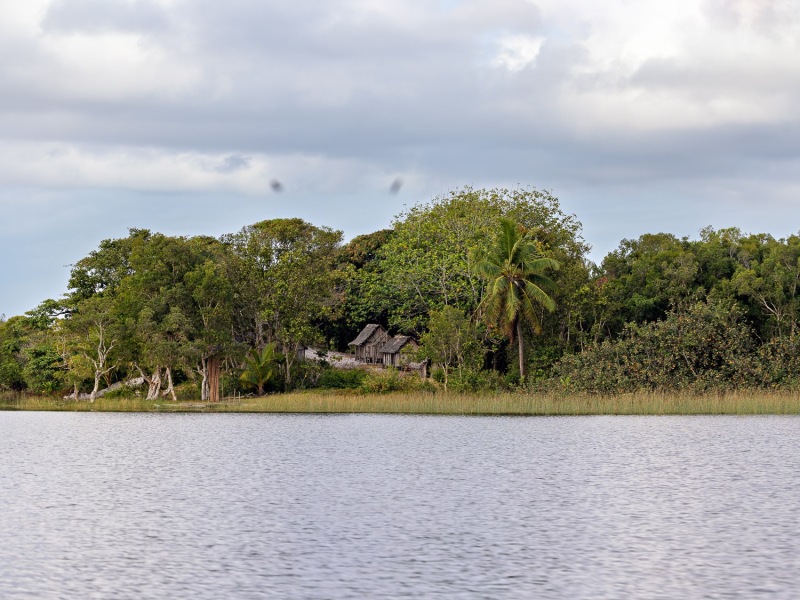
[259,367]
[515,284]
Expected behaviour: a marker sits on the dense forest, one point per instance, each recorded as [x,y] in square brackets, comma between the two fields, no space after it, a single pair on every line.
[495,284]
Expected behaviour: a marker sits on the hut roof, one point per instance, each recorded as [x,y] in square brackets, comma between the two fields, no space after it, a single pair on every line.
[365,334]
[395,344]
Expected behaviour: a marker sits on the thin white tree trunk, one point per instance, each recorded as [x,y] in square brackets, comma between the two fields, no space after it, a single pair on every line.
[154,386]
[203,371]
[93,395]
[170,386]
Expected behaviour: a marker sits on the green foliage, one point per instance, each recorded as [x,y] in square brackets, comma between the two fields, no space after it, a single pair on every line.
[474,381]
[659,312]
[44,368]
[777,363]
[11,376]
[391,380]
[105,268]
[259,368]
[452,342]
[515,284]
[286,278]
[124,392]
[332,378]
[189,391]
[363,250]
[428,262]
[705,346]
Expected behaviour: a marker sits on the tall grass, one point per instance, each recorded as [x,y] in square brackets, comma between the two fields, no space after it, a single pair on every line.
[646,403]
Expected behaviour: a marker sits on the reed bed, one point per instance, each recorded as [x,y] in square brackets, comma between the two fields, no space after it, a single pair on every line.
[645,403]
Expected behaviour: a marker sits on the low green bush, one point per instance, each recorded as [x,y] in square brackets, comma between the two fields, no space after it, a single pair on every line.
[391,380]
[341,379]
[706,346]
[188,391]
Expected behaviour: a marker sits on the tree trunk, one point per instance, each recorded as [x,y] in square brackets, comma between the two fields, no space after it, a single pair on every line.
[154,384]
[521,347]
[288,359]
[170,387]
[203,370]
[209,370]
[213,379]
[93,395]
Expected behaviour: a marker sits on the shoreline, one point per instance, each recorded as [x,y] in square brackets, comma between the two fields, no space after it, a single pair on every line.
[751,402]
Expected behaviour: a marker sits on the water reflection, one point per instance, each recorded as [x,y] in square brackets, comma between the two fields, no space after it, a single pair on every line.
[258,506]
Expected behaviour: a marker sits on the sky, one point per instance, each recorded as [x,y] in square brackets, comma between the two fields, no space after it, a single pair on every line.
[180,115]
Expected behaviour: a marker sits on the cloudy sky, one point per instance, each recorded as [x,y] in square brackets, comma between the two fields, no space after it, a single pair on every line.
[177,115]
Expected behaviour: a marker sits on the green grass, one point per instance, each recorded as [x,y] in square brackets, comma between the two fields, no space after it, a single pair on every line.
[649,403]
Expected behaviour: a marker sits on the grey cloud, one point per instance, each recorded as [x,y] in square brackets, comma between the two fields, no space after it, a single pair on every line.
[408,95]
[96,16]
[296,76]
[233,163]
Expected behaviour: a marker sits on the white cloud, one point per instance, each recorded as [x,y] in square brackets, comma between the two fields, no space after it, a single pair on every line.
[113,66]
[683,64]
[64,166]
[517,51]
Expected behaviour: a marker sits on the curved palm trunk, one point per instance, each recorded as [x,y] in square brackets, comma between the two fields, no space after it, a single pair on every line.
[521,347]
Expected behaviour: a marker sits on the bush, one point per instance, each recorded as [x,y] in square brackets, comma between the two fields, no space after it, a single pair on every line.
[777,363]
[44,370]
[190,391]
[11,376]
[341,379]
[391,380]
[473,380]
[706,346]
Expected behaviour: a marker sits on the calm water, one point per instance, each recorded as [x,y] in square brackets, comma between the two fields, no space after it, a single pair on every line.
[266,506]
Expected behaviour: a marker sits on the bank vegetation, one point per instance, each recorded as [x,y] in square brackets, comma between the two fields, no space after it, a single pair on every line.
[496,285]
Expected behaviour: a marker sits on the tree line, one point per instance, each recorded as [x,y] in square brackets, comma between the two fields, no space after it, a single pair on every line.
[494,283]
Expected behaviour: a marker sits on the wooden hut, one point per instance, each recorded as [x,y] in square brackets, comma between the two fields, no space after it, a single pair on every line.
[368,344]
[392,352]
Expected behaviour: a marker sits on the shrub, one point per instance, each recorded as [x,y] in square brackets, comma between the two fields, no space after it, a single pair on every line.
[705,346]
[190,391]
[777,363]
[341,379]
[474,380]
[391,380]
[43,371]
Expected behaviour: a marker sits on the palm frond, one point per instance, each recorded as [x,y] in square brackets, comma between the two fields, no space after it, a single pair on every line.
[537,294]
[514,270]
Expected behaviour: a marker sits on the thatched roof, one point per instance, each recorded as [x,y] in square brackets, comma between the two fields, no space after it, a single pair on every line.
[394,345]
[365,334]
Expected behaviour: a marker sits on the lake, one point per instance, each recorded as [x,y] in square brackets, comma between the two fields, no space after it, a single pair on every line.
[102,505]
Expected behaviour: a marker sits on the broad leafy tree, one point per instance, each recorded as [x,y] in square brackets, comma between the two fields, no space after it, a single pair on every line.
[287,282]
[428,262]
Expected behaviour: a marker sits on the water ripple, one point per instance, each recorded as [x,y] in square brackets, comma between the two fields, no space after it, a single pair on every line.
[293,506]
